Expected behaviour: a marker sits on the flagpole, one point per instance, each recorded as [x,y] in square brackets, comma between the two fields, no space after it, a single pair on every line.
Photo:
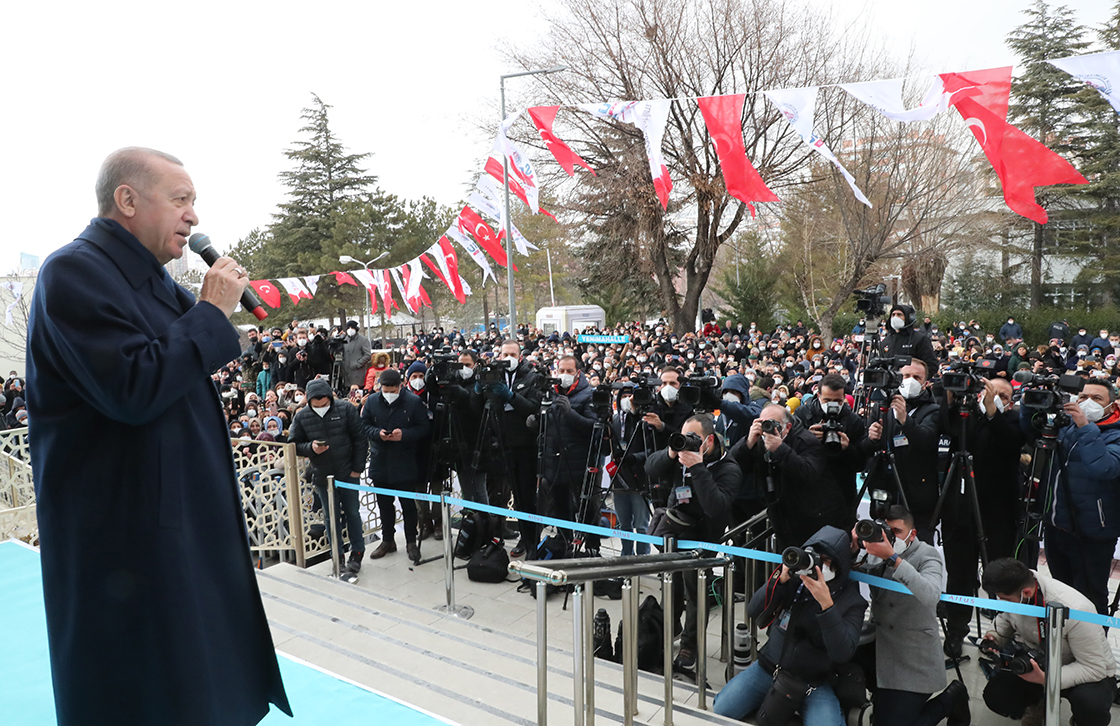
[551,293]
[511,321]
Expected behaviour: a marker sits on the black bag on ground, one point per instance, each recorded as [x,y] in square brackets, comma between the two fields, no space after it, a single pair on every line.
[475,530]
[651,624]
[489,563]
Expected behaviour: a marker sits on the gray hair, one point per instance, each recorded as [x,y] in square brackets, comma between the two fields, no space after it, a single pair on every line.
[125,166]
[787,417]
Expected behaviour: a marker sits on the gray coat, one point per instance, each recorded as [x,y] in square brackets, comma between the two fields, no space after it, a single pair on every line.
[907,637]
[355,360]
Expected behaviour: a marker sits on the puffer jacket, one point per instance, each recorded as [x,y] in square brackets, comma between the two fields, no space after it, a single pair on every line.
[568,437]
[1090,458]
[395,462]
[737,416]
[1086,654]
[341,428]
[714,484]
[802,638]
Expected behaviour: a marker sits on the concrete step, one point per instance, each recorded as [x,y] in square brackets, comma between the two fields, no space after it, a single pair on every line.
[481,671]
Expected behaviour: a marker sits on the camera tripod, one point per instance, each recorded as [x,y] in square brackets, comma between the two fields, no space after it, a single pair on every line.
[961,471]
[649,444]
[592,479]
[1043,461]
[881,465]
[336,372]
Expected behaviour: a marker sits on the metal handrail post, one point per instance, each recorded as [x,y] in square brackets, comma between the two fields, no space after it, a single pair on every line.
[589,653]
[728,646]
[667,633]
[626,657]
[1055,624]
[635,599]
[577,654]
[464,612]
[542,653]
[752,577]
[702,639]
[336,545]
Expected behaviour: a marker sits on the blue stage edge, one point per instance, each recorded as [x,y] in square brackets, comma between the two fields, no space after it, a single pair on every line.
[317,697]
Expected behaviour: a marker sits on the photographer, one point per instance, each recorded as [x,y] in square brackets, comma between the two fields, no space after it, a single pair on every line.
[914,428]
[1088,667]
[903,663]
[629,483]
[319,352]
[571,420]
[788,467]
[813,622]
[994,435]
[736,410]
[905,340]
[1084,521]
[464,418]
[829,417]
[513,398]
[669,412]
[704,482]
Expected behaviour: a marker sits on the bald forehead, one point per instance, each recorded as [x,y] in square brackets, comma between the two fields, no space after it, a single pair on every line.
[772,413]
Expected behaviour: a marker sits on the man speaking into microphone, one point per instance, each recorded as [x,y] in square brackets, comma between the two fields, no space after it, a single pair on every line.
[153,611]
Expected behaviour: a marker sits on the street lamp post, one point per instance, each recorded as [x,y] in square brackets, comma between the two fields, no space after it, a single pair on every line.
[344,259]
[511,321]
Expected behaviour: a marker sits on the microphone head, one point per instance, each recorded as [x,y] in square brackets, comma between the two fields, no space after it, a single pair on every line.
[198,242]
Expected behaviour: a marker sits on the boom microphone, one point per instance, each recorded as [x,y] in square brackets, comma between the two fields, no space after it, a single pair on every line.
[200,245]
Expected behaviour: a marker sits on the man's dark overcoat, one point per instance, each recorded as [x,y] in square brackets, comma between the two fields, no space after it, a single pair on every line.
[153,611]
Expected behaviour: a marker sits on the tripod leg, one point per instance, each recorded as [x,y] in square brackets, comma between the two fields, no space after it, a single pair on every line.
[970,484]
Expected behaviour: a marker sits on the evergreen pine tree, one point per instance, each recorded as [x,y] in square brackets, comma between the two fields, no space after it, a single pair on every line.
[1042,99]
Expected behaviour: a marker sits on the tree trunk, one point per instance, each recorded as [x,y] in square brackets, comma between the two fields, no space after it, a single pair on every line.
[1036,268]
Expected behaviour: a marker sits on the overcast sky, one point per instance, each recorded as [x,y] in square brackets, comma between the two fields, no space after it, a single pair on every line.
[221,86]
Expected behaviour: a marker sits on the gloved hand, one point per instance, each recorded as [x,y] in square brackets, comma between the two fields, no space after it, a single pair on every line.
[502,391]
[561,403]
[531,422]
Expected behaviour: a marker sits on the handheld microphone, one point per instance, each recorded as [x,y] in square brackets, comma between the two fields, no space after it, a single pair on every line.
[200,244]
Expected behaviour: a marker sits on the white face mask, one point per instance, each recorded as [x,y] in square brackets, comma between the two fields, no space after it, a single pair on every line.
[669,394]
[999,404]
[297,398]
[301,342]
[827,575]
[511,361]
[626,406]
[566,380]
[898,323]
[390,397]
[466,373]
[1092,410]
[902,543]
[321,410]
[731,396]
[417,384]
[251,413]
[910,388]
[351,332]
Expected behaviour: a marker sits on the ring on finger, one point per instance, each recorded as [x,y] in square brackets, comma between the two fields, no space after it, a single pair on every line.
[240,271]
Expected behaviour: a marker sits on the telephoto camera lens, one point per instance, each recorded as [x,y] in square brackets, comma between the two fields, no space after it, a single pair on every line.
[801,561]
[685,442]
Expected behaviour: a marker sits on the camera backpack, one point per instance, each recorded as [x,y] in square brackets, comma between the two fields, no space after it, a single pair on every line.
[475,530]
[489,563]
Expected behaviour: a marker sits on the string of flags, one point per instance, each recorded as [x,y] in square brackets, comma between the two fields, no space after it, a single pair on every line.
[980,97]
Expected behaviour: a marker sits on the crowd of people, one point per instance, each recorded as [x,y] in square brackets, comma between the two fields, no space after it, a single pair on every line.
[1005,445]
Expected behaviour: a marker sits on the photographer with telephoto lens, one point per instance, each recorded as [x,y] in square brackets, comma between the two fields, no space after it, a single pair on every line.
[813,618]
[1016,687]
[829,417]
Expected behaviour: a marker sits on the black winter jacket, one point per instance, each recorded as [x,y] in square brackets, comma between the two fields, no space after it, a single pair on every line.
[394,462]
[844,464]
[568,437]
[522,391]
[811,641]
[714,485]
[341,428]
[917,458]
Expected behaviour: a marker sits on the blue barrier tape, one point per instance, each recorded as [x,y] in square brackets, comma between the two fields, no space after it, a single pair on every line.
[1033,611]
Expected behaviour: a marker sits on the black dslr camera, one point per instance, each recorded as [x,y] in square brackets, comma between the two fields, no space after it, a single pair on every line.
[771,426]
[874,530]
[831,425]
[1014,658]
[685,442]
[802,560]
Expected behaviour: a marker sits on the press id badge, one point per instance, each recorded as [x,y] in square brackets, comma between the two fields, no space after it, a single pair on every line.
[784,622]
[901,440]
[943,445]
[684,494]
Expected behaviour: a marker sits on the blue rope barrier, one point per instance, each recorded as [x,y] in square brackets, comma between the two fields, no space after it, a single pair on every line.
[884,583]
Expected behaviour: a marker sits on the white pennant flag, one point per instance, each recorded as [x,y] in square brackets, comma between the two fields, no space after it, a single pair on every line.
[396,273]
[295,288]
[495,211]
[466,285]
[1099,70]
[886,98]
[435,253]
[366,278]
[472,249]
[415,277]
[312,282]
[798,106]
[519,165]
[650,117]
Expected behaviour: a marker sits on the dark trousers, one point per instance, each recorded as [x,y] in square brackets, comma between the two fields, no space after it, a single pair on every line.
[386,506]
[1082,563]
[517,473]
[347,513]
[1009,695]
[898,707]
[962,556]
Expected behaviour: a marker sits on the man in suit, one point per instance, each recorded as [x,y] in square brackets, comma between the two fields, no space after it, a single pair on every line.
[153,611]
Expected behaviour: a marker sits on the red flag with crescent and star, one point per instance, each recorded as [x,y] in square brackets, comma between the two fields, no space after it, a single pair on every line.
[543,117]
[494,169]
[1020,161]
[269,293]
[471,222]
[344,278]
[452,262]
[723,115]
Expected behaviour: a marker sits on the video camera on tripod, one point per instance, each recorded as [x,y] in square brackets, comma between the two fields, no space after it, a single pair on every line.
[1047,394]
[693,387]
[884,374]
[872,301]
[445,366]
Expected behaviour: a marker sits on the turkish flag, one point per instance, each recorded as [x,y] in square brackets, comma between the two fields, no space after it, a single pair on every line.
[1021,162]
[452,261]
[544,117]
[471,222]
[494,169]
[269,293]
[723,116]
[344,278]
